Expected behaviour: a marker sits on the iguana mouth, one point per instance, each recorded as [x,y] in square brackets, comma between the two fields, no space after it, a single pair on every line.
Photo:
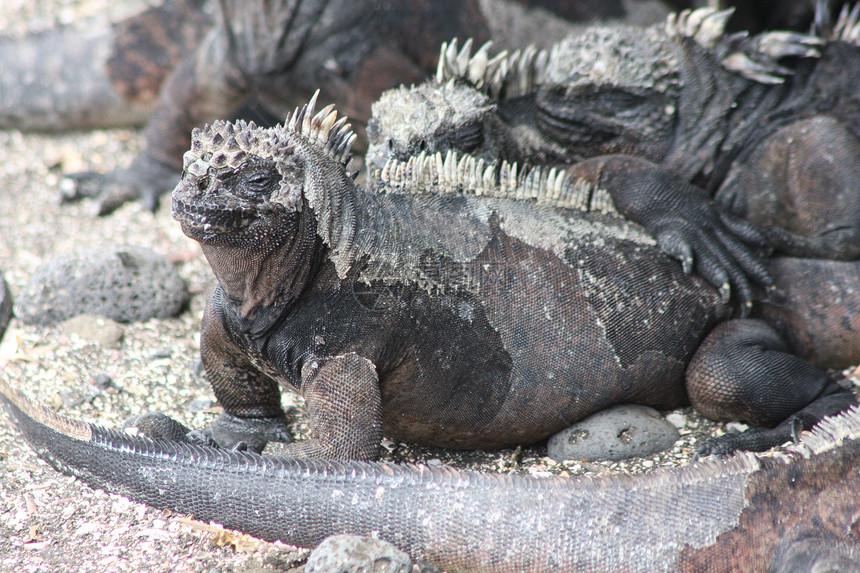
[200,222]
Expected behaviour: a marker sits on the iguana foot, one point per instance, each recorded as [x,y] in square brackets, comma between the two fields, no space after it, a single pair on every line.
[754,440]
[157,425]
[723,249]
[226,432]
[758,439]
[145,179]
[245,433]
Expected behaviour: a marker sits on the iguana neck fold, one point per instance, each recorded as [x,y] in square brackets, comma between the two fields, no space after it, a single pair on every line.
[271,274]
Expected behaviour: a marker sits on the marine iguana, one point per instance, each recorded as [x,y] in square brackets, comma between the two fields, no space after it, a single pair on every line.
[794,513]
[452,318]
[185,62]
[763,123]
[475,322]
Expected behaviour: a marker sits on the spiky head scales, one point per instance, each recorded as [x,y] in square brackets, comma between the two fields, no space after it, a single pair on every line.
[421,119]
[223,146]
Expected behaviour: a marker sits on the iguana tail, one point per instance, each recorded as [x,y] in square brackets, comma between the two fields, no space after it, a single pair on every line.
[715,516]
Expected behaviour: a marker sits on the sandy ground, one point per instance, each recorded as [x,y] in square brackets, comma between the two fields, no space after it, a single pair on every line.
[52,523]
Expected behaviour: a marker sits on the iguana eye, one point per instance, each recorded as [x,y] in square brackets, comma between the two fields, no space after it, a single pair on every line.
[258,179]
[468,137]
[203,183]
[258,182]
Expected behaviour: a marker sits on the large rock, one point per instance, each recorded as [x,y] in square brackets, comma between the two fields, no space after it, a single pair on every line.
[126,284]
[616,433]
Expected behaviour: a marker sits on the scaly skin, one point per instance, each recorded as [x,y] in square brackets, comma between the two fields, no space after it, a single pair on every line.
[717,516]
[460,315]
[414,309]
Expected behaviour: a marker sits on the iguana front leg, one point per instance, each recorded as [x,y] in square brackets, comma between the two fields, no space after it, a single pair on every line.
[342,399]
[801,186]
[344,409]
[251,399]
[343,404]
[685,222]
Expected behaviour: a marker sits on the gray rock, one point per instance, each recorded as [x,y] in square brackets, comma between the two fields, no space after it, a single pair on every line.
[126,284]
[616,433]
[106,332]
[5,305]
[356,554]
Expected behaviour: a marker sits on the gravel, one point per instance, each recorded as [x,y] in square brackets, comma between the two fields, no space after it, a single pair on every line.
[49,522]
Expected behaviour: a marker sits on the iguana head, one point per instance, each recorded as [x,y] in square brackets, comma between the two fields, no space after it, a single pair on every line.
[605,86]
[457,110]
[611,90]
[427,118]
[245,184]
[262,201]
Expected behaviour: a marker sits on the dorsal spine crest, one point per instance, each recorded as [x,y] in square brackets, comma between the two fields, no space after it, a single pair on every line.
[847,27]
[505,74]
[459,173]
[706,26]
[323,129]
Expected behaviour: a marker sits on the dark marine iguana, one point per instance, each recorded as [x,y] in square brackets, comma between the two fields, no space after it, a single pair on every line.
[450,318]
[763,123]
[794,513]
[465,319]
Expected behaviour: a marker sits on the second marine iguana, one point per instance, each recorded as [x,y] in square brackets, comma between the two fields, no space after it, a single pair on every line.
[765,124]
[455,319]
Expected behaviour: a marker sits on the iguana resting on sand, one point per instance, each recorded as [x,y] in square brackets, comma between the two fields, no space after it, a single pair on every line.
[441,316]
[762,123]
[455,319]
